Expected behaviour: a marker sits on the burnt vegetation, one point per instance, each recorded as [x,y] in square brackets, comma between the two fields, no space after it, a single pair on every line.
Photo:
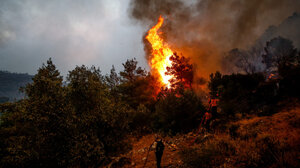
[89,120]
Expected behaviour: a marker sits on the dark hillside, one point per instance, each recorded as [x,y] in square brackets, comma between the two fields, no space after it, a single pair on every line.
[10,84]
[268,141]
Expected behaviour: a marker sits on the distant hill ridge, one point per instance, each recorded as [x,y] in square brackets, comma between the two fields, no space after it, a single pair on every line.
[10,84]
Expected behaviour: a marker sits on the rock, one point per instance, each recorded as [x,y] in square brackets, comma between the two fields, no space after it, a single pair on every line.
[141,150]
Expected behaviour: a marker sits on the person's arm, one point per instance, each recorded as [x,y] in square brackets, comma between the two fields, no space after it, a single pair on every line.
[153,145]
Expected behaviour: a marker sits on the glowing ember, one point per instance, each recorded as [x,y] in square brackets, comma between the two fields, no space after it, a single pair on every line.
[160,53]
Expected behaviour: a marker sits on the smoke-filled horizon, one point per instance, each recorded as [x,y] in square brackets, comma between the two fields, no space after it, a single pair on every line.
[204,30]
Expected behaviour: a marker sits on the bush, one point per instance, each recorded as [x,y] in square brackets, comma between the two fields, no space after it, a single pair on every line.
[265,151]
[177,111]
[140,120]
[213,153]
[244,94]
[261,151]
[290,84]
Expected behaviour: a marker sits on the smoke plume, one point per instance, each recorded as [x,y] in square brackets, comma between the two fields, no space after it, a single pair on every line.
[204,30]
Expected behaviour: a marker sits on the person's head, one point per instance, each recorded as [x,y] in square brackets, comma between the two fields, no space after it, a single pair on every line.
[157,137]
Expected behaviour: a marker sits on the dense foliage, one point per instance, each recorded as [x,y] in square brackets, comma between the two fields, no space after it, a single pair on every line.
[63,126]
[176,111]
[259,92]
[86,122]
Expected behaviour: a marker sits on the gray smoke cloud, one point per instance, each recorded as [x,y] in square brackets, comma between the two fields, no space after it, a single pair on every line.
[205,29]
[289,29]
[72,32]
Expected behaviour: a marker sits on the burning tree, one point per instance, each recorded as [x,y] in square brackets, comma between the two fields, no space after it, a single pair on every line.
[181,71]
[137,86]
[173,70]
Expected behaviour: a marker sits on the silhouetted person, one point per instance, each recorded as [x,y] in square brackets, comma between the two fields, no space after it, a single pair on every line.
[159,149]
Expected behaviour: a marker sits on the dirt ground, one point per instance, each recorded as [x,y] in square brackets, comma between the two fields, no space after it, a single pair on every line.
[170,157]
[139,153]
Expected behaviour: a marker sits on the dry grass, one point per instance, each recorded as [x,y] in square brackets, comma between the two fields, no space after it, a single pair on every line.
[272,141]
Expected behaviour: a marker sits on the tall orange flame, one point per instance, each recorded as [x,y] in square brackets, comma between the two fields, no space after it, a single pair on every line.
[160,53]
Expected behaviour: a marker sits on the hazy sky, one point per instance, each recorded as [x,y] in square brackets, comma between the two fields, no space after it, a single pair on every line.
[71,32]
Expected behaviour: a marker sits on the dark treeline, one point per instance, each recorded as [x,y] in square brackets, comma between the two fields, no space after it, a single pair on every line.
[88,121]
[256,91]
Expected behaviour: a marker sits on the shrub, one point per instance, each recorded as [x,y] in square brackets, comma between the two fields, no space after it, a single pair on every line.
[140,120]
[213,153]
[177,111]
[265,151]
[242,94]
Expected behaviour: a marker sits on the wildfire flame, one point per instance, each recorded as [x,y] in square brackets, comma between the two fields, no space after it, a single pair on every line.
[160,53]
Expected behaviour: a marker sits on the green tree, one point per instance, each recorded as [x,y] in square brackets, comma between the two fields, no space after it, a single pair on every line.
[99,124]
[137,87]
[86,89]
[113,81]
[242,93]
[39,131]
[15,149]
[46,110]
[177,110]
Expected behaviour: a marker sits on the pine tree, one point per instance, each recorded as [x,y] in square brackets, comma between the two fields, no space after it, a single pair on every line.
[181,70]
